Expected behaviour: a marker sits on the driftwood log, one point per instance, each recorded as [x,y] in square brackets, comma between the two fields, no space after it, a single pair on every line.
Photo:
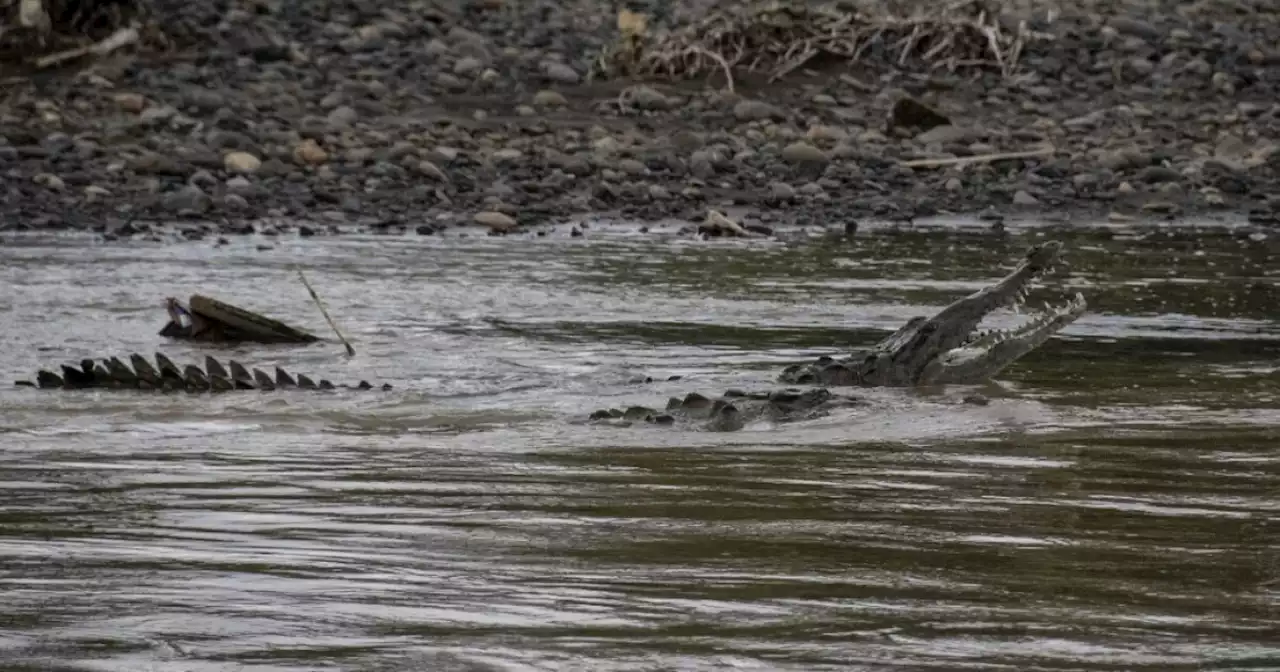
[212,321]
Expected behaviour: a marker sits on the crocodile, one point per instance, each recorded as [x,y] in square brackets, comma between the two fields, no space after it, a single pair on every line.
[731,410]
[113,374]
[948,348]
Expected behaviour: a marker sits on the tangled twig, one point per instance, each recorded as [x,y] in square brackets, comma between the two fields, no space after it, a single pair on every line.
[785,36]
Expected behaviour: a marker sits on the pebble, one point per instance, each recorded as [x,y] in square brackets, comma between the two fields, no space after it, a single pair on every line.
[131,102]
[646,97]
[50,181]
[549,98]
[1021,197]
[755,110]
[189,198]
[782,191]
[803,152]
[308,152]
[559,72]
[342,116]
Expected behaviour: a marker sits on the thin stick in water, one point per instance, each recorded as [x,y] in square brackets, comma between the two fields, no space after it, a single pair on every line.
[351,352]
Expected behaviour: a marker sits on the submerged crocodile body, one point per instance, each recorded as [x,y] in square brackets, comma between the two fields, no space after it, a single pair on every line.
[732,410]
[114,374]
[946,348]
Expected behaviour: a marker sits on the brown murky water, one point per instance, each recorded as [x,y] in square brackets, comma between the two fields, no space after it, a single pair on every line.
[1114,507]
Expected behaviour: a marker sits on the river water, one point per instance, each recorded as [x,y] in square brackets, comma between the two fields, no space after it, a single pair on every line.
[1113,508]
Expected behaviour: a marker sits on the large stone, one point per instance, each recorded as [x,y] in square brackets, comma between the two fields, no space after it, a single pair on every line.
[909,113]
[241,163]
[496,221]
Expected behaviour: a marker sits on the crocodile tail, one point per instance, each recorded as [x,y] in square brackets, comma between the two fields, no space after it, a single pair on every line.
[263,381]
[144,371]
[284,380]
[214,368]
[195,379]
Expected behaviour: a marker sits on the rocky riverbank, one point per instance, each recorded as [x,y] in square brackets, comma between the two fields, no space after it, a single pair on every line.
[410,116]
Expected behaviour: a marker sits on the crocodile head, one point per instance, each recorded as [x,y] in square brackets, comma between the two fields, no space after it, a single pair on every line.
[948,347]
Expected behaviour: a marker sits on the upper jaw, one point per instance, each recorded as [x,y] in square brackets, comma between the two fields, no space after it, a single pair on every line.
[989,353]
[959,319]
[954,325]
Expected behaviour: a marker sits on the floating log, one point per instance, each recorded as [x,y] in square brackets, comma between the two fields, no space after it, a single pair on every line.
[209,320]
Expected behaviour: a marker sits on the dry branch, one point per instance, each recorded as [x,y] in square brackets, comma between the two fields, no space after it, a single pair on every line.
[979,158]
[351,352]
[118,39]
[783,36]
